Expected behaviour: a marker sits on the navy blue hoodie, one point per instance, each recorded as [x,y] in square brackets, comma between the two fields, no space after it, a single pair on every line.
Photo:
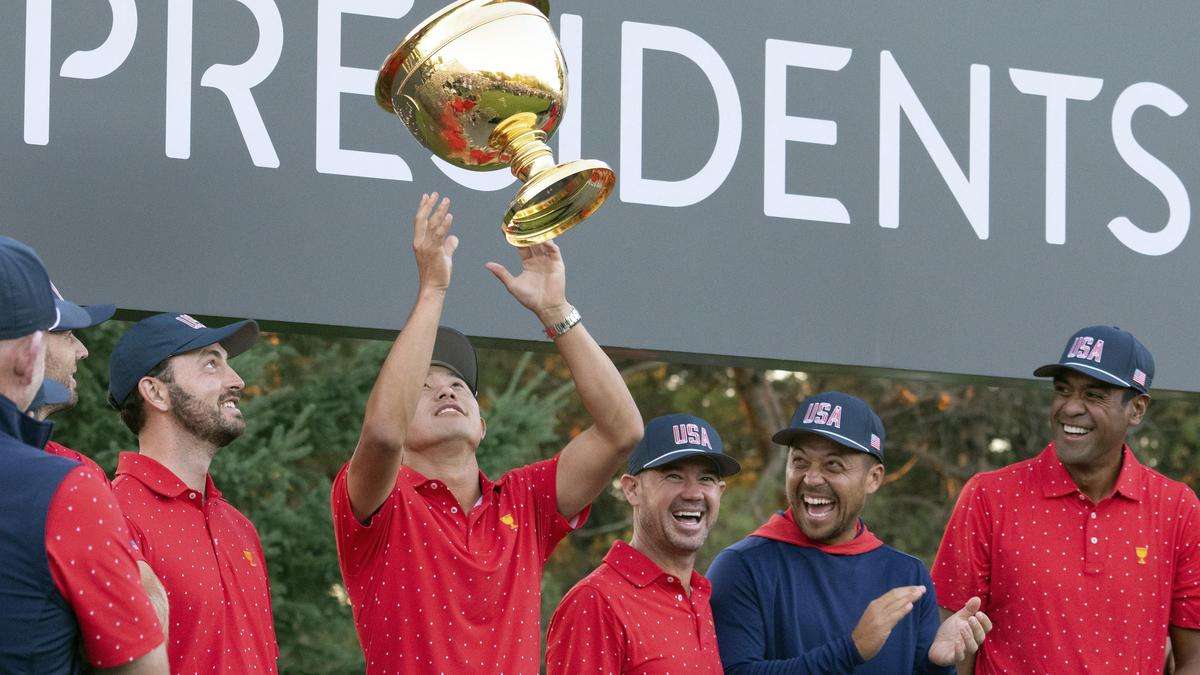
[785,604]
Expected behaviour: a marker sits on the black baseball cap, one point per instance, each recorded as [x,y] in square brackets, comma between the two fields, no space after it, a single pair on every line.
[76,317]
[51,392]
[157,338]
[1108,354]
[454,352]
[842,418]
[26,299]
[671,438]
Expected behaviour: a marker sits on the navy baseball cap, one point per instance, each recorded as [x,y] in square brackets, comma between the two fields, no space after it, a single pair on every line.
[842,418]
[671,438]
[51,392]
[26,300]
[454,352]
[76,317]
[157,338]
[1108,354]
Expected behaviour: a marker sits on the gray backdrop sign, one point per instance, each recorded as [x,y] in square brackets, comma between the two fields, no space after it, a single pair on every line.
[894,185]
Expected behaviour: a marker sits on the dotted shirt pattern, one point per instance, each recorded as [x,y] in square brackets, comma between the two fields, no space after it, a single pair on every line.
[210,561]
[436,590]
[630,616]
[1072,585]
[87,547]
[61,450]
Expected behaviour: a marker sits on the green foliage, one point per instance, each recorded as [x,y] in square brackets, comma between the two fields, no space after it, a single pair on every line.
[305,397]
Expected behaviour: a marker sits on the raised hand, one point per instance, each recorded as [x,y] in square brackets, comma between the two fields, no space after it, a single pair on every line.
[433,245]
[960,635]
[881,617]
[542,285]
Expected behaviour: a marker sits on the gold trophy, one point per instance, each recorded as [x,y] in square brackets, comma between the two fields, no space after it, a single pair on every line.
[483,84]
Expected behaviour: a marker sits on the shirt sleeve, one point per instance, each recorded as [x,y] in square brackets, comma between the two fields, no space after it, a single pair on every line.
[963,565]
[1185,594]
[742,630]
[540,480]
[585,636]
[90,554]
[357,542]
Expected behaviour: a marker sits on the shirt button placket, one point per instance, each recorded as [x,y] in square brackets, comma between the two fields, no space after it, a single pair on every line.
[1093,557]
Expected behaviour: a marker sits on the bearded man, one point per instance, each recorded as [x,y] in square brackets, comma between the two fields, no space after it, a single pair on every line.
[170,377]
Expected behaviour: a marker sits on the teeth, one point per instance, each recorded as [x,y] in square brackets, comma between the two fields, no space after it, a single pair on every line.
[1074,430]
[229,404]
[817,501]
[447,410]
[687,514]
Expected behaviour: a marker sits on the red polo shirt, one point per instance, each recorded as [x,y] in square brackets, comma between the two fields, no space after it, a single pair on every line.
[209,559]
[1073,586]
[61,450]
[629,616]
[436,590]
[87,547]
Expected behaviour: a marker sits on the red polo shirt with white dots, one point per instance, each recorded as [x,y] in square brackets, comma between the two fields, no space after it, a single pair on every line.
[1073,586]
[630,616]
[87,548]
[60,450]
[437,590]
[210,561]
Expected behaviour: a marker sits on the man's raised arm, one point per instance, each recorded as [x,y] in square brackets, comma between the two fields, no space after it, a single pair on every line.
[588,462]
[394,397]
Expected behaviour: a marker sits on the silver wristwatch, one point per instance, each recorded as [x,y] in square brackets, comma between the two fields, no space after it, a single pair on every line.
[556,329]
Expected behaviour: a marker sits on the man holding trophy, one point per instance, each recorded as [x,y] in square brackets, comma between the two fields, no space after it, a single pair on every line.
[442,565]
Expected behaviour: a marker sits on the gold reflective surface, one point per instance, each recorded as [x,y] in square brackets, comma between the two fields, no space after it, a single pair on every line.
[483,84]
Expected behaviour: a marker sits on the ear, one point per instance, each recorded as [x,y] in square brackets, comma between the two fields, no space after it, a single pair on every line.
[721,487]
[874,475]
[31,355]
[1136,409]
[154,392]
[483,424]
[632,488]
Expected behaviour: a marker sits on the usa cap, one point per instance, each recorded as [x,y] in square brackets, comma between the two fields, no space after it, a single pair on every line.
[157,338]
[76,317]
[671,438]
[454,352]
[842,418]
[26,301]
[51,392]
[1108,354]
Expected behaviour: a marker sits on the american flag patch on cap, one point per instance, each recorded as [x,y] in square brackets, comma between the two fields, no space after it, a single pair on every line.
[876,443]
[1139,377]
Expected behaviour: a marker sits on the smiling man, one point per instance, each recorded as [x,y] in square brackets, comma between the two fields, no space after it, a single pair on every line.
[1084,557]
[170,378]
[812,590]
[442,564]
[645,609]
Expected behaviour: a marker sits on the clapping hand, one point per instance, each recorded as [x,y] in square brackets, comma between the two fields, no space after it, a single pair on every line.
[960,635]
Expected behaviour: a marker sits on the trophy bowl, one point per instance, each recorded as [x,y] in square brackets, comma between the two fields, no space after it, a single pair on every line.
[483,84]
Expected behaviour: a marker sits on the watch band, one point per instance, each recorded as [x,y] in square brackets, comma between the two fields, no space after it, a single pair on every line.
[556,329]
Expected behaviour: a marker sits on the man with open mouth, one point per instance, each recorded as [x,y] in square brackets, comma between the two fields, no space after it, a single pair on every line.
[1084,557]
[645,609]
[813,590]
[170,378]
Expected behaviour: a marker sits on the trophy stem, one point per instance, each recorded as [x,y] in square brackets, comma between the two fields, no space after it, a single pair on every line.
[524,144]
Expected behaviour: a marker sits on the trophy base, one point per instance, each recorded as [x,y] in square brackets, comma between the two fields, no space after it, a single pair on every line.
[556,199]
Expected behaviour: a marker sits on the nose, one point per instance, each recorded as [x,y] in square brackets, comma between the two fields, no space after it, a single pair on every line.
[813,475]
[1072,406]
[446,391]
[81,350]
[692,490]
[237,383]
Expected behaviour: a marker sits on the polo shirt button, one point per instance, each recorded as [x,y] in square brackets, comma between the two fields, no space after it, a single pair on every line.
[453,509]
[679,598]
[1082,497]
[191,495]
[670,580]
[1093,515]
[1094,540]
[435,486]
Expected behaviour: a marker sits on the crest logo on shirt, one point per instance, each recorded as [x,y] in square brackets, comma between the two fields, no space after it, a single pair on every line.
[249,558]
[508,520]
[1142,552]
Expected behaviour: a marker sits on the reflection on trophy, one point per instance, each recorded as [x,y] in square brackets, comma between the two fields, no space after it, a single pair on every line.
[483,84]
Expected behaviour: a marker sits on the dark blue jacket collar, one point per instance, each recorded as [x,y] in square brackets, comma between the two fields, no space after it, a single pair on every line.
[22,427]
